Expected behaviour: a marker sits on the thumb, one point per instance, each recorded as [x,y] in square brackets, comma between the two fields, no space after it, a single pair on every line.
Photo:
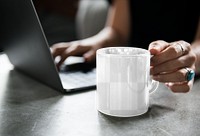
[157,46]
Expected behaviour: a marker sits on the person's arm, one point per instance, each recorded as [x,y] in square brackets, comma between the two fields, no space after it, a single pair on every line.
[118,22]
[196,49]
[115,33]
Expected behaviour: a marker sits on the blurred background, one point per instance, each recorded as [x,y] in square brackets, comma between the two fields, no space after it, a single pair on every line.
[68,20]
[58,18]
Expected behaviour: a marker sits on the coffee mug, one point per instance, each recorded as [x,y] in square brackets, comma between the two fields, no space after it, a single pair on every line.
[123,81]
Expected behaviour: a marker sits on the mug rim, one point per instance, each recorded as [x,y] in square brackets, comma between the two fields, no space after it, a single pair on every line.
[101,52]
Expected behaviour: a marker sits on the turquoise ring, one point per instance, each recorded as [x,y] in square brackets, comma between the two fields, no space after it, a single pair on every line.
[190,74]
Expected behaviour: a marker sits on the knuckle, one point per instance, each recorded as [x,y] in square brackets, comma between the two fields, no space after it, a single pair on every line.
[59,45]
[187,46]
[157,43]
[193,57]
[174,50]
[72,48]
[55,49]
[77,46]
[161,41]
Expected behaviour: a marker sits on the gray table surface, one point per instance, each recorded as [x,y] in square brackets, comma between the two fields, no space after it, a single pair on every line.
[29,108]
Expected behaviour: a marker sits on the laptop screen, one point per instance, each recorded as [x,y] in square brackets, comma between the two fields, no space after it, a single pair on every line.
[25,43]
[27,48]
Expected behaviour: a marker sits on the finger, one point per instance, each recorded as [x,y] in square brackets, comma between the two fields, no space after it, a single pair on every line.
[177,76]
[171,52]
[173,65]
[90,55]
[182,46]
[157,47]
[70,51]
[183,87]
[73,50]
[58,49]
[180,75]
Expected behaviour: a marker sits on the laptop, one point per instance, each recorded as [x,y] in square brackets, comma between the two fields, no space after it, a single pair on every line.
[25,44]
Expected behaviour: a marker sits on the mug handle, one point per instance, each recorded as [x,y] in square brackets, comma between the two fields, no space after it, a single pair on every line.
[153,85]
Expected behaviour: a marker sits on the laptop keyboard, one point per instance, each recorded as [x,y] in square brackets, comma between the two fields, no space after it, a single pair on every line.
[78,79]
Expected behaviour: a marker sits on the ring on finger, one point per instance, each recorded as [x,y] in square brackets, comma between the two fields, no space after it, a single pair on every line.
[181,46]
[190,74]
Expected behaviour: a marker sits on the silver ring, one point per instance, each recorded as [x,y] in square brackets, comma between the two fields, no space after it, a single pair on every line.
[190,74]
[181,46]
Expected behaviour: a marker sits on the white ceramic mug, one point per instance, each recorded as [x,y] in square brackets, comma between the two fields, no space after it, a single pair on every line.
[123,81]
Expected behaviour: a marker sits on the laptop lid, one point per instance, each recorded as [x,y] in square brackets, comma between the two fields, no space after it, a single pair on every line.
[25,43]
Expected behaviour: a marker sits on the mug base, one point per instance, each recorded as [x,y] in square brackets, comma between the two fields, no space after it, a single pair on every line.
[115,114]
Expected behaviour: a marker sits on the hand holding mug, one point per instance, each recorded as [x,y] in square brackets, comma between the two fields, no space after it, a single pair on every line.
[173,64]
